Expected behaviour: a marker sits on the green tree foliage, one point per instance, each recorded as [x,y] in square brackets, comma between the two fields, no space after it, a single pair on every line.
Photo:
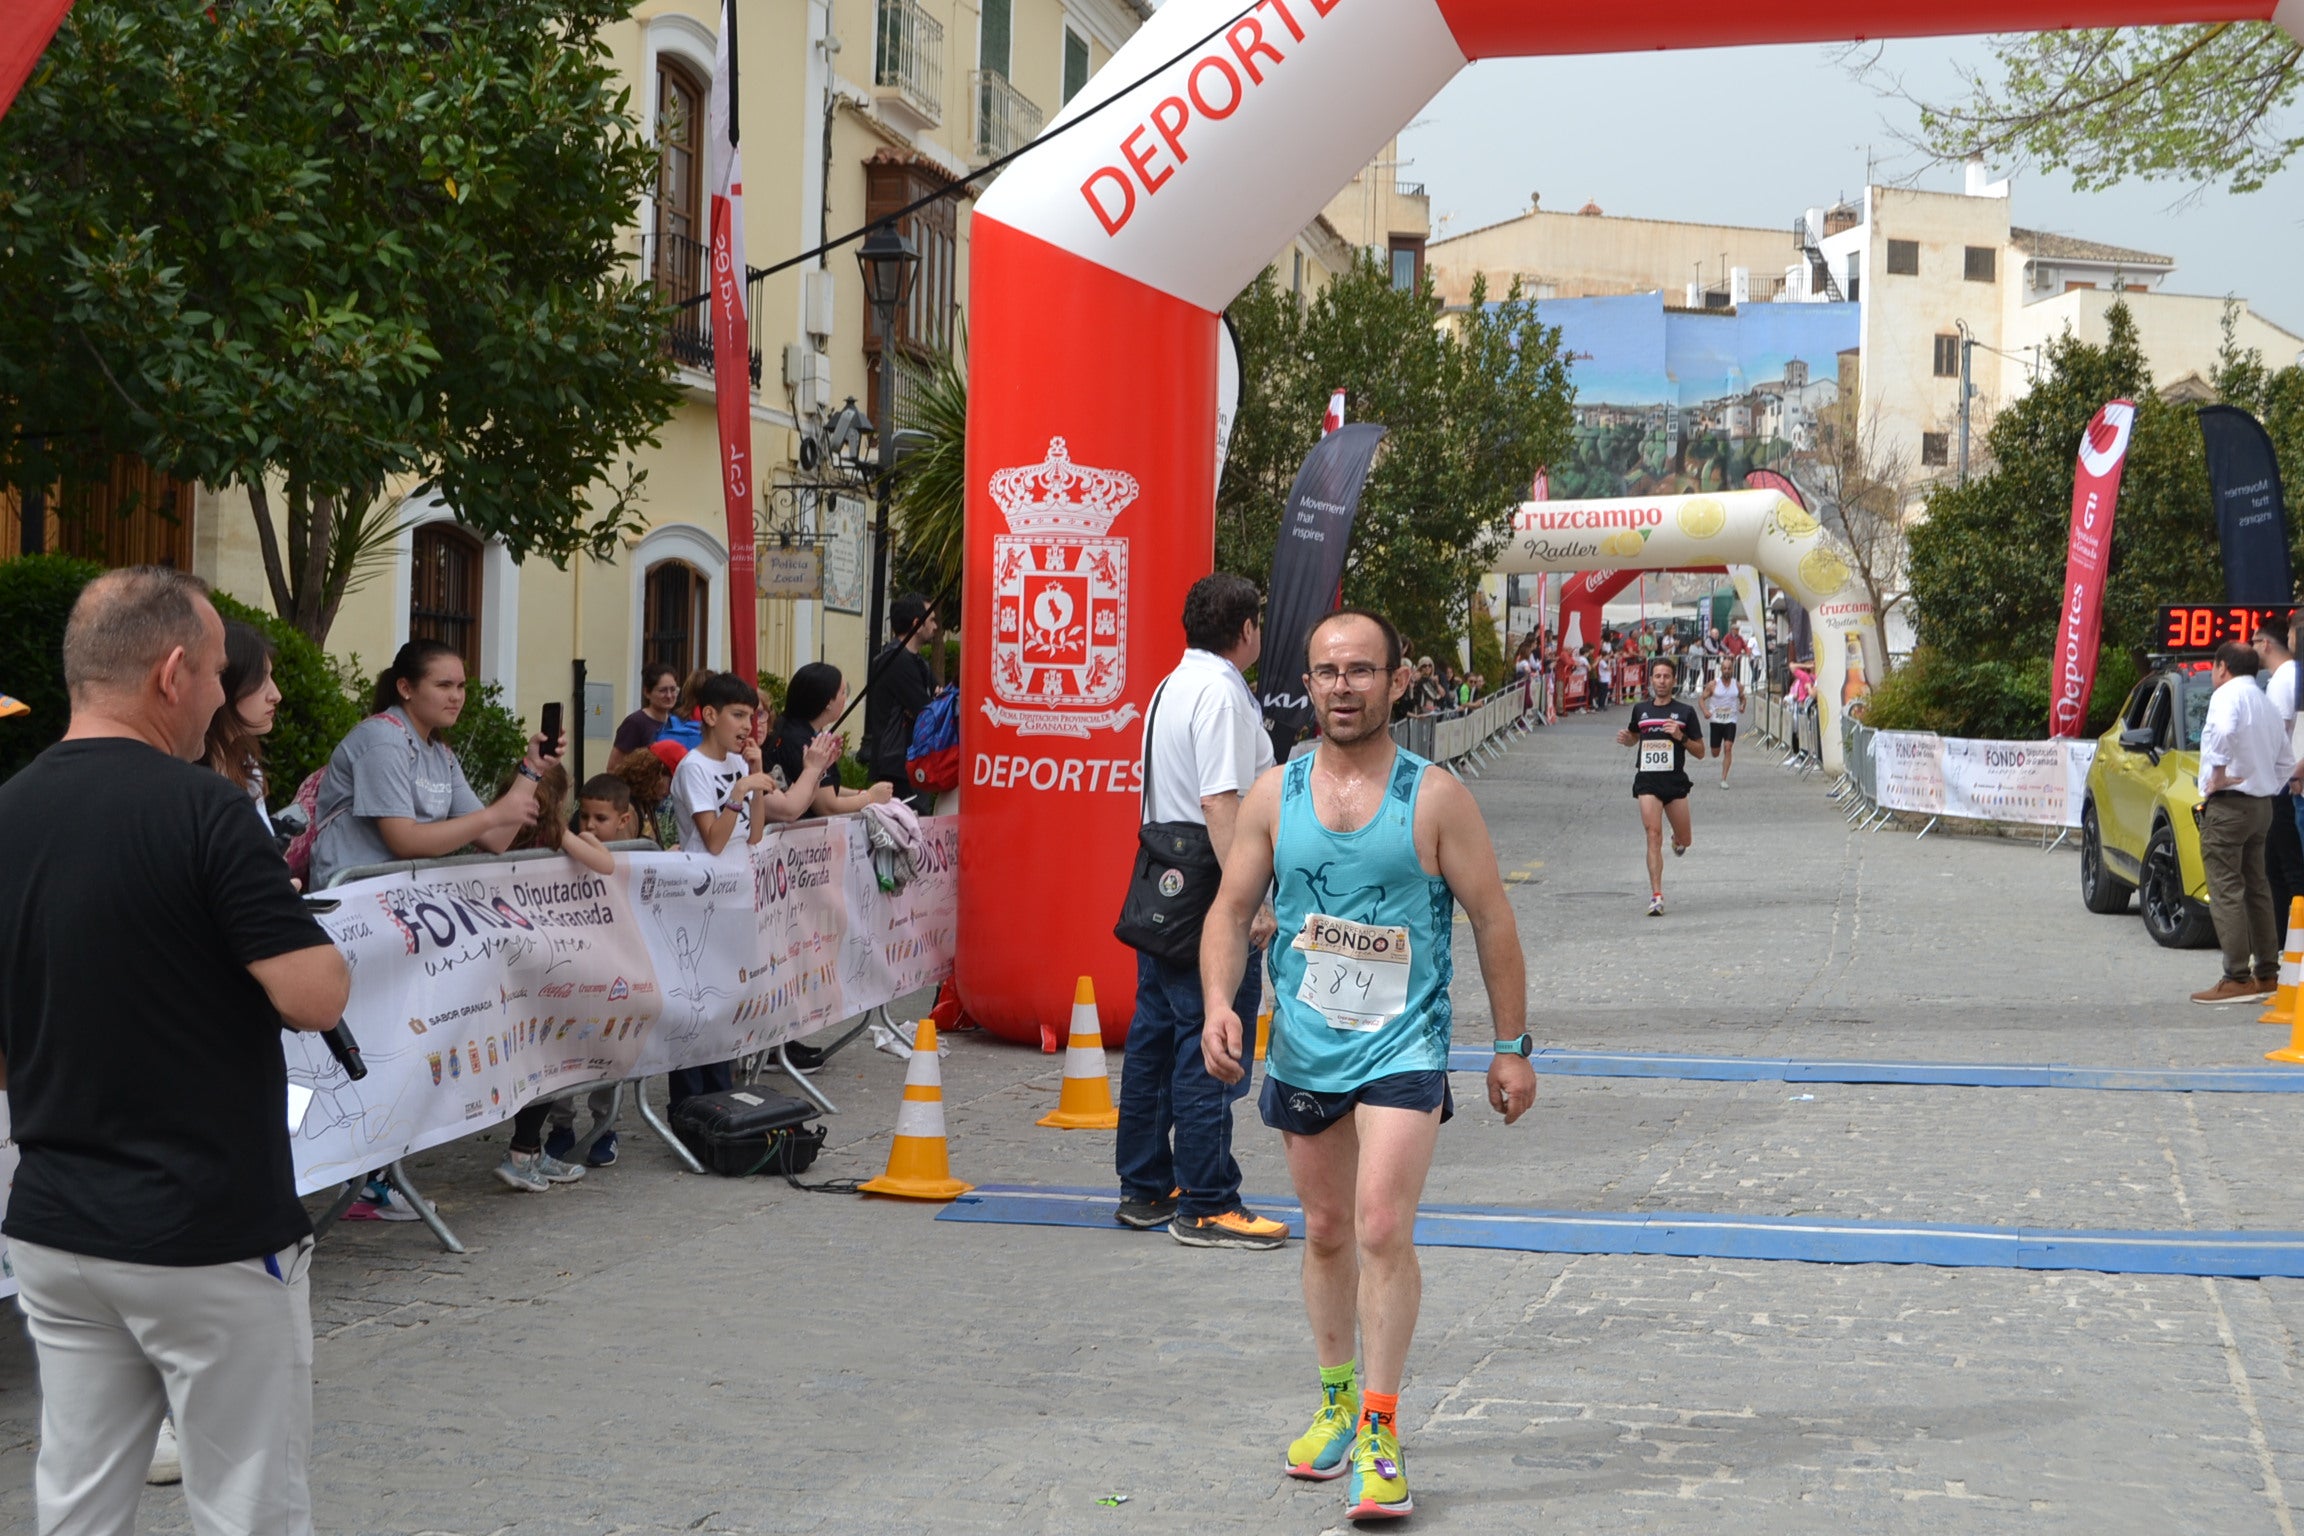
[37,593]
[488,740]
[1472,410]
[334,253]
[931,491]
[1987,564]
[2194,103]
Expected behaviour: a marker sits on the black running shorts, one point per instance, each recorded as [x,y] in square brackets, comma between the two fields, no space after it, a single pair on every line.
[1720,731]
[1666,787]
[1302,1112]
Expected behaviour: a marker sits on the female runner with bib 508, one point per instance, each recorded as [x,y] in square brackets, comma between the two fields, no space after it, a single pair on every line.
[1663,735]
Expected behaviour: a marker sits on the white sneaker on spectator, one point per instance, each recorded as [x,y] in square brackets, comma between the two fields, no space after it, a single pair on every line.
[167,1462]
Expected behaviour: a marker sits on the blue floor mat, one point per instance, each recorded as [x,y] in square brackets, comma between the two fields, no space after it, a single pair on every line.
[1821,1240]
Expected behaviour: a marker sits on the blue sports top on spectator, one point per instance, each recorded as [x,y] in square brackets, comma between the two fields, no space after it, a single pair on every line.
[684,729]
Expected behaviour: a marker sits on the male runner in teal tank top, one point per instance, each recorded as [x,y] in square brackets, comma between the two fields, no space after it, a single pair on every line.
[1372,847]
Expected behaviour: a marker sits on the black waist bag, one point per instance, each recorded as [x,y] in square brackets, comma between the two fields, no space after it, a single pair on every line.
[749,1130]
[1174,881]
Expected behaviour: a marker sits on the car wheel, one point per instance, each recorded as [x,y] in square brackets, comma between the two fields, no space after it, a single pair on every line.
[2100,890]
[2173,919]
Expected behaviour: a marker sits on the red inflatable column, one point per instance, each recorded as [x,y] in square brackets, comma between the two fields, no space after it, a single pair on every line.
[1091,511]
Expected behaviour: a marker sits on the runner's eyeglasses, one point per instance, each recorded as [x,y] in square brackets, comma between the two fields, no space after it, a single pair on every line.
[1359,677]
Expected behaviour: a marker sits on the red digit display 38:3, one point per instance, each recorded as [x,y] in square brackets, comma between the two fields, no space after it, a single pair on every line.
[2198,628]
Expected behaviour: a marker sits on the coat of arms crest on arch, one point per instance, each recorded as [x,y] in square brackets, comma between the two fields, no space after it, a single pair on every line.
[1060,598]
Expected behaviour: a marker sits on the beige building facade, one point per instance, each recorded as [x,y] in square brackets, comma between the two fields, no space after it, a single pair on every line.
[1591,254]
[849,109]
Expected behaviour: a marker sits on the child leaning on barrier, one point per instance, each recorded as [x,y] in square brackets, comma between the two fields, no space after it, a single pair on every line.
[605,813]
[527,1166]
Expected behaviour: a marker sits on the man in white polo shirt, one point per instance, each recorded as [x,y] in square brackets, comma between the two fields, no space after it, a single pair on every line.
[1204,744]
[2244,763]
[2283,852]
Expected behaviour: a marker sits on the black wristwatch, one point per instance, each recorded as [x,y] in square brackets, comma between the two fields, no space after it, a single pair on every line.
[1520,1045]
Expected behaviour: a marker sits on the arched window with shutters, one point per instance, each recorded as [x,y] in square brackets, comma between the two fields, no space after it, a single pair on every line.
[444,590]
[676,616]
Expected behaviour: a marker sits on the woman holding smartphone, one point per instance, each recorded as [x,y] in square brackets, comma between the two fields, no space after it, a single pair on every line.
[394,789]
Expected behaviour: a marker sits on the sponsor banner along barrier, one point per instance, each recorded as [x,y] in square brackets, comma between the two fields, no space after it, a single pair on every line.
[479,988]
[2035,783]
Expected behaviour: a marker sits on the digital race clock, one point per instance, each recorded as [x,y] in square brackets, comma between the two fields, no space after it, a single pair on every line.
[2198,628]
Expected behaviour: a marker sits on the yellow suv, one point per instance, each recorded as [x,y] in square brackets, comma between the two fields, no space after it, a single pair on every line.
[2137,835]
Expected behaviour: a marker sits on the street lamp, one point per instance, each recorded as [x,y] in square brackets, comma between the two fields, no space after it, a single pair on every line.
[887,261]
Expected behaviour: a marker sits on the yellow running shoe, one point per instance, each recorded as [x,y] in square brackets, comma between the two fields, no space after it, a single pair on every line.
[1379,1487]
[1320,1453]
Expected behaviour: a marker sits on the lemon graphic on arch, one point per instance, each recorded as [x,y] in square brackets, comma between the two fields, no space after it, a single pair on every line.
[1823,571]
[1792,519]
[1701,517]
[1624,542]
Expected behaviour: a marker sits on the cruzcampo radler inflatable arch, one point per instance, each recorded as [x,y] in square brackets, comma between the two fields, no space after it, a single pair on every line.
[1099,264]
[1723,528]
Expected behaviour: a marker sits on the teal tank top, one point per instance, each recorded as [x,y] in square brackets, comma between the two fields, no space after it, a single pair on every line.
[1346,1009]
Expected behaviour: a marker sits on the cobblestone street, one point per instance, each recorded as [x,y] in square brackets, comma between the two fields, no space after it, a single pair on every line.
[649,1351]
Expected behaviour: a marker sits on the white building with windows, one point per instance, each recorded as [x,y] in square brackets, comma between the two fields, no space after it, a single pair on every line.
[1939,273]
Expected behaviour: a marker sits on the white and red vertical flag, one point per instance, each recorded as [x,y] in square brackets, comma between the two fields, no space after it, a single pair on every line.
[2095,495]
[1334,417]
[732,350]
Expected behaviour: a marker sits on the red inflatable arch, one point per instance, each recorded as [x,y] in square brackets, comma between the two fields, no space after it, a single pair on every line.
[1099,266]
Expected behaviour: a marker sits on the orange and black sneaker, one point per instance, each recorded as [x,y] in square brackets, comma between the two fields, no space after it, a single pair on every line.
[1234,1228]
[1146,1213]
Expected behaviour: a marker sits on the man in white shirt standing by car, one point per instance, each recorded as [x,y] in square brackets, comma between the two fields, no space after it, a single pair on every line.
[2283,850]
[2244,763]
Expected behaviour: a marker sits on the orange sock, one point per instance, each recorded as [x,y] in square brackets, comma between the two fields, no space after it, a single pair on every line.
[1379,1404]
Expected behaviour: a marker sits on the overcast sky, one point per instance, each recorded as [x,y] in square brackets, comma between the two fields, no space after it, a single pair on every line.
[1755,135]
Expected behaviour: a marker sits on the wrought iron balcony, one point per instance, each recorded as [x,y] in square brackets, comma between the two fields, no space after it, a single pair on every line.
[1006,120]
[908,62]
[680,267]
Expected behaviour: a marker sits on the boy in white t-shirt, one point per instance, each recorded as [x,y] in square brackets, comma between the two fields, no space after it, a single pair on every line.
[719,789]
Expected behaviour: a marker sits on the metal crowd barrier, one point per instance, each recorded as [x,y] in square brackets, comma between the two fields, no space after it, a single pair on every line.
[395,1174]
[1468,740]
[1857,790]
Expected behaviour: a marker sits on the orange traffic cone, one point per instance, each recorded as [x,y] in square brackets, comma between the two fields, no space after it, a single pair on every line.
[1086,1104]
[917,1166]
[2283,1009]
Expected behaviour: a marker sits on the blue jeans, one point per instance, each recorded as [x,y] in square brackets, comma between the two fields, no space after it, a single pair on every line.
[1176,1120]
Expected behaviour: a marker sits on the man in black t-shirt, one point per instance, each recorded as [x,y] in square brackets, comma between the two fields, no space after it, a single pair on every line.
[152,948]
[1663,734]
[899,687]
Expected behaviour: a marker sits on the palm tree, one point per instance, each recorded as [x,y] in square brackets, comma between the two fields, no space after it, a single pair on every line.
[931,491]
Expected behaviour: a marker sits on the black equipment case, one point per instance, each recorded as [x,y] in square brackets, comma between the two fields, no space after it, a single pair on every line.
[749,1130]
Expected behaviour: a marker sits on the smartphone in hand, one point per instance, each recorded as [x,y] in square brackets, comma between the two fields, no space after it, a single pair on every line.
[551,728]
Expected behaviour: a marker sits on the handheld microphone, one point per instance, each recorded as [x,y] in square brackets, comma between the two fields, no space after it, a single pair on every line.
[345,1049]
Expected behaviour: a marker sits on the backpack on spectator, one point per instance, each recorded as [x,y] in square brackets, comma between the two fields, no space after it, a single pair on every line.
[298,853]
[932,763]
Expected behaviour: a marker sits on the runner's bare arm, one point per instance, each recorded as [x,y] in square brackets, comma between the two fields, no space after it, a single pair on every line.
[1466,857]
[1224,935]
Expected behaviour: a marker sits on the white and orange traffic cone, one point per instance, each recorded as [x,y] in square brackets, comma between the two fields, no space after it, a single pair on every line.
[2283,1008]
[918,1168]
[1086,1104]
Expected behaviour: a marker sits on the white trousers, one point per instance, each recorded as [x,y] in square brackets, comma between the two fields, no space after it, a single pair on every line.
[227,1347]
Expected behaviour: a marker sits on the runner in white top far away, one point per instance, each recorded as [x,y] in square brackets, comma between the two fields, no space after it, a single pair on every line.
[1723,707]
